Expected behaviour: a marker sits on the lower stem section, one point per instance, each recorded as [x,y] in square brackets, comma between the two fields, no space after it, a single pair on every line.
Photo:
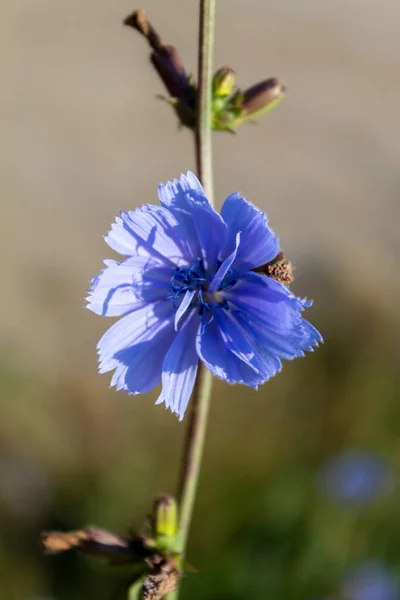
[193,452]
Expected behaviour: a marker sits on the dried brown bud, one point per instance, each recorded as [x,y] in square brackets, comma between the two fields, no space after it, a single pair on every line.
[170,68]
[260,96]
[96,542]
[166,61]
[54,542]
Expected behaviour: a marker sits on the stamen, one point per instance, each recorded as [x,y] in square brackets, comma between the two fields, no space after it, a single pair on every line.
[193,278]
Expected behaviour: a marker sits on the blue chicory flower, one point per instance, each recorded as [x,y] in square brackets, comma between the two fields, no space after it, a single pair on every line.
[187,290]
[355,477]
[370,581]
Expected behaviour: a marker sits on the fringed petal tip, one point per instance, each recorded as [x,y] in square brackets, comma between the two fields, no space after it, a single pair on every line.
[187,185]
[169,406]
[190,182]
[259,243]
[305,302]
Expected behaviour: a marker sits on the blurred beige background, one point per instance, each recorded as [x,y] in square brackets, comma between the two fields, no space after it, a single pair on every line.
[83,136]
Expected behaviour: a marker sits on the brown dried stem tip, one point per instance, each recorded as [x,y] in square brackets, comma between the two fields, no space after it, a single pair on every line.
[138,20]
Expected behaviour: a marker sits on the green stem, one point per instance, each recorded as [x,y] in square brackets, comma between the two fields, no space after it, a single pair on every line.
[195,436]
[200,402]
[193,452]
[203,144]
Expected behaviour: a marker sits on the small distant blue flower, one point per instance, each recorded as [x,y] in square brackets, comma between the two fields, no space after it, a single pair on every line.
[186,290]
[371,581]
[356,477]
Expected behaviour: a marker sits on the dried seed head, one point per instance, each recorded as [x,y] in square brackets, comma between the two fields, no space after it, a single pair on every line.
[280,269]
[281,272]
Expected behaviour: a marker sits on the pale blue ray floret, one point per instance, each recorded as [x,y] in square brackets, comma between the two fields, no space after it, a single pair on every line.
[186,290]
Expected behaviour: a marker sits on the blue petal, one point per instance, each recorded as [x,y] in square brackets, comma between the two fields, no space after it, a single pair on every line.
[245,346]
[263,298]
[148,231]
[266,363]
[121,287]
[224,268]
[259,244]
[215,354]
[184,307]
[140,366]
[234,335]
[302,337]
[174,193]
[277,344]
[137,327]
[205,230]
[272,314]
[179,368]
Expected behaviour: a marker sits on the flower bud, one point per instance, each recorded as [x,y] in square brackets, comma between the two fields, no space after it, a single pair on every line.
[170,68]
[223,82]
[165,517]
[262,97]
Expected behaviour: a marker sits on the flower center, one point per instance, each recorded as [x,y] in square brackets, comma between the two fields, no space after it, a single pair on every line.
[193,277]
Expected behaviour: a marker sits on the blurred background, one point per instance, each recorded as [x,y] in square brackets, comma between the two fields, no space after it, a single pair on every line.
[299,492]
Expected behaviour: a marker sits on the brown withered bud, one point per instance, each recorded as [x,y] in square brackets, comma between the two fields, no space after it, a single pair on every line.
[54,542]
[280,269]
[167,63]
[95,541]
[169,66]
[258,97]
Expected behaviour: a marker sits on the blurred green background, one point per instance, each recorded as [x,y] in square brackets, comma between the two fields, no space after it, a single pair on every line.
[84,136]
